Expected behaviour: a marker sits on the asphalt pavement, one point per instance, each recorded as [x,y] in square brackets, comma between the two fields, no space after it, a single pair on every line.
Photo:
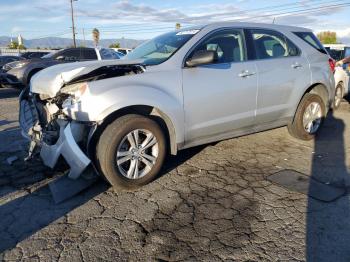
[212,203]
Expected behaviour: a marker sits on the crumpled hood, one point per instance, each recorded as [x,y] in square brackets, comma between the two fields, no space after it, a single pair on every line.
[50,80]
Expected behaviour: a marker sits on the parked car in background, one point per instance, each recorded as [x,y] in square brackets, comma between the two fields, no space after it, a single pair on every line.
[124,51]
[31,55]
[3,61]
[178,90]
[18,74]
[8,59]
[120,54]
[342,73]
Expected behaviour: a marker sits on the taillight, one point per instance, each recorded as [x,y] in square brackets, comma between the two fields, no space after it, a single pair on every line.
[331,64]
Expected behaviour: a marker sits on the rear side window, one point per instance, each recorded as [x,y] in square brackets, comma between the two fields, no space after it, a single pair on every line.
[312,40]
[89,54]
[271,44]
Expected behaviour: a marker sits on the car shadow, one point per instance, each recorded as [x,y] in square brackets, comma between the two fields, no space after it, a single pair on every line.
[328,224]
[23,216]
[172,162]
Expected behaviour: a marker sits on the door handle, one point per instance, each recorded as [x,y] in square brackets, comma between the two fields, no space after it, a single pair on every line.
[296,65]
[246,73]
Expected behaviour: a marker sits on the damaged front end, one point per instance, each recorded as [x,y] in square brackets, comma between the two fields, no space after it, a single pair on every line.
[46,123]
[53,134]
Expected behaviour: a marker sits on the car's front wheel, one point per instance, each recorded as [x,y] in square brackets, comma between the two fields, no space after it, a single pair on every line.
[308,117]
[131,151]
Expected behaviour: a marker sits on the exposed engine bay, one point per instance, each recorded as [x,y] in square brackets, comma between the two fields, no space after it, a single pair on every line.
[50,129]
[109,71]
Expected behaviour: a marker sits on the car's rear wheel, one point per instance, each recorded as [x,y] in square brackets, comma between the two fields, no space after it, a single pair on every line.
[308,117]
[131,151]
[338,97]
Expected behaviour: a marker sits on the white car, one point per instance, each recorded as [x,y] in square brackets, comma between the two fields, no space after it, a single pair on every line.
[124,51]
[342,73]
[179,90]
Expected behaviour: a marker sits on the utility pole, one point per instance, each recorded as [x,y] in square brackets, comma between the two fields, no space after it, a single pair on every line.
[84,37]
[73,26]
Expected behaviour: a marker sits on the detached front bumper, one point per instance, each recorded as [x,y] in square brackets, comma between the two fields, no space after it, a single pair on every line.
[68,148]
[70,134]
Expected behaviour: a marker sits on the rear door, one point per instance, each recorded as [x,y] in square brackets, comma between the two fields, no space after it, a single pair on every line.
[282,72]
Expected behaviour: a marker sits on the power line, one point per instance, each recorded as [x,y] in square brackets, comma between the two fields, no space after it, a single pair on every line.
[280,7]
[288,13]
[303,11]
[284,10]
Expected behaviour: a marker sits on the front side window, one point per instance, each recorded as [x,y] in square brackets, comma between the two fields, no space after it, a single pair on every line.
[228,45]
[270,44]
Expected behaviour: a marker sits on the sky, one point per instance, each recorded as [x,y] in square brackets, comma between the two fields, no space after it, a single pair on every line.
[144,19]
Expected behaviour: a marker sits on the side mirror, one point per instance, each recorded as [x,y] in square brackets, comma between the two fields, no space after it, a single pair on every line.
[61,58]
[201,57]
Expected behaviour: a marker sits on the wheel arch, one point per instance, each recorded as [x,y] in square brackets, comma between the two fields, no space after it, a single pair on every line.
[322,91]
[318,89]
[154,113]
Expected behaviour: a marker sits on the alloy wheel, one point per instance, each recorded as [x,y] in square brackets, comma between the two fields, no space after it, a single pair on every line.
[312,117]
[137,154]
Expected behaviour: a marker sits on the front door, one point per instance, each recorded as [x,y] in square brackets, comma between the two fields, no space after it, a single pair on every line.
[220,98]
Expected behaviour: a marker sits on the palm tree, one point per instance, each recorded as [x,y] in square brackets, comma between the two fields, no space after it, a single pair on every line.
[96,36]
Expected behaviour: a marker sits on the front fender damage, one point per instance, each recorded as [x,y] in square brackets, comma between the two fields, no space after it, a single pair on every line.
[53,135]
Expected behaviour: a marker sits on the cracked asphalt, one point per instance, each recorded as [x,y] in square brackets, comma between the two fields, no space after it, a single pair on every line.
[212,203]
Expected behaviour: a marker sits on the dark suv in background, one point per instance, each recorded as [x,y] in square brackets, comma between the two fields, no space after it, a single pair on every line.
[19,73]
[31,55]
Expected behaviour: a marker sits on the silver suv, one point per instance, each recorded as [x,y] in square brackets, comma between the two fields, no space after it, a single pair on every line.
[176,91]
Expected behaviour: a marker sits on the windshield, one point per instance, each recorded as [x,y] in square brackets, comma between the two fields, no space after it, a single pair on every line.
[159,49]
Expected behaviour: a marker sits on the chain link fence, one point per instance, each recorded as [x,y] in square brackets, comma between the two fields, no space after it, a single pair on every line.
[16,52]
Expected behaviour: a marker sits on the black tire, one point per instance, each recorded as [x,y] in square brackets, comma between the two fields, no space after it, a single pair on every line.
[108,145]
[339,88]
[296,128]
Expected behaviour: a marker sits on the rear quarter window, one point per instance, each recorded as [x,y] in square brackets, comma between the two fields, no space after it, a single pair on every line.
[312,40]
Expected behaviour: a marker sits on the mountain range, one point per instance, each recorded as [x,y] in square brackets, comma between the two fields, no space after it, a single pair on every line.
[58,42]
